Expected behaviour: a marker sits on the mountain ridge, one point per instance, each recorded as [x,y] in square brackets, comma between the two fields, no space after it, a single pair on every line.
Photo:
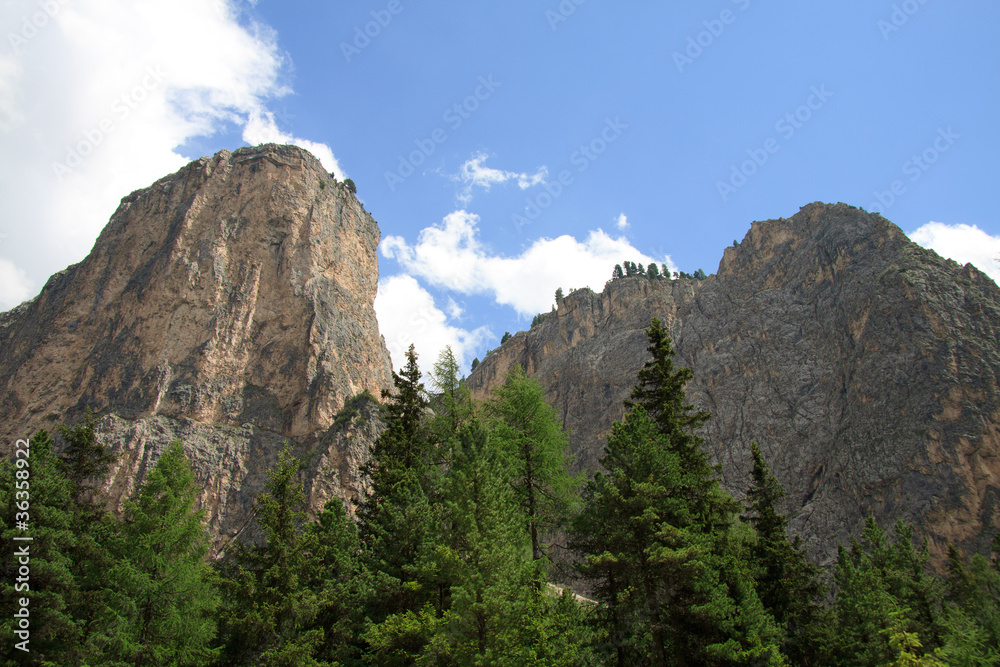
[817,331]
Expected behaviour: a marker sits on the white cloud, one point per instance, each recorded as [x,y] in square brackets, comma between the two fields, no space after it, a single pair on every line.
[407,314]
[475,173]
[96,99]
[15,286]
[451,256]
[622,222]
[962,243]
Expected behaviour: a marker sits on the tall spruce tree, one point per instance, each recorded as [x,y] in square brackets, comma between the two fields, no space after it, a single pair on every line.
[787,583]
[884,592]
[54,635]
[527,429]
[269,612]
[398,518]
[162,610]
[654,536]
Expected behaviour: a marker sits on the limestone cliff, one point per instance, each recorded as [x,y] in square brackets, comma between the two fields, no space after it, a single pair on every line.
[866,367]
[228,305]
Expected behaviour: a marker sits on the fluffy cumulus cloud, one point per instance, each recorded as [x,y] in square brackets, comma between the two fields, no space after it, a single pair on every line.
[451,256]
[408,315]
[622,222]
[962,243]
[96,98]
[475,174]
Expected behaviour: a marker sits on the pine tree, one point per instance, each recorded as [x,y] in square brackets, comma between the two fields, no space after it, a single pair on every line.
[559,294]
[506,337]
[54,636]
[882,591]
[86,463]
[475,363]
[491,596]
[617,273]
[268,614]
[398,519]
[655,533]
[343,587]
[652,272]
[787,583]
[162,609]
[527,429]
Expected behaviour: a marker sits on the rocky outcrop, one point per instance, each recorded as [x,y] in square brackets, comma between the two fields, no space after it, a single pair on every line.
[229,305]
[865,366]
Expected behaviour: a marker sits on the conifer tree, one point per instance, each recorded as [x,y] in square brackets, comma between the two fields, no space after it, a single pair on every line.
[652,272]
[162,609]
[883,591]
[86,463]
[617,273]
[398,519]
[654,534]
[54,634]
[491,595]
[787,583]
[268,614]
[527,429]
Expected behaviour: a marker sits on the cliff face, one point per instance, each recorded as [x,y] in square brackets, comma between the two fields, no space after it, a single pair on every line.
[866,368]
[230,305]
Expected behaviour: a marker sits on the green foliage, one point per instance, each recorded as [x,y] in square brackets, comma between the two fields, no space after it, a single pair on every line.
[617,273]
[162,608]
[506,337]
[55,632]
[475,362]
[269,612]
[531,436]
[700,275]
[787,583]
[350,186]
[559,294]
[538,319]
[883,589]
[653,272]
[656,540]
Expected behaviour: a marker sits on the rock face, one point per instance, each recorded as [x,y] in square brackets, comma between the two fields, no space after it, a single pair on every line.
[229,305]
[865,366]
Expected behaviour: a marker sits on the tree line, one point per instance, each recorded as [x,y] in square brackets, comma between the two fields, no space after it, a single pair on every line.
[652,272]
[460,549]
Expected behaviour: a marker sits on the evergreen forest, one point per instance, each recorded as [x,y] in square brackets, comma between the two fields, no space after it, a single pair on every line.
[476,545]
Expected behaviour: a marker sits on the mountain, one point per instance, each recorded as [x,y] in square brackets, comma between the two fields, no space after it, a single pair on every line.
[865,366]
[229,305]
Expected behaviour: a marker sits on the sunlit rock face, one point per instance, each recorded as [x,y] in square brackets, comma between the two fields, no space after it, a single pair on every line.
[229,305]
[865,366]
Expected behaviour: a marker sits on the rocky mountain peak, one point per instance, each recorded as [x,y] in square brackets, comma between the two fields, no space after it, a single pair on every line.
[236,293]
[865,366]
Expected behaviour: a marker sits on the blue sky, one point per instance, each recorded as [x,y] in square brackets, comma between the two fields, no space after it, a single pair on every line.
[510,148]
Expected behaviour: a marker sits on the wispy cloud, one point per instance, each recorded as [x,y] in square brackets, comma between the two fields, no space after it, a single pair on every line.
[475,174]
